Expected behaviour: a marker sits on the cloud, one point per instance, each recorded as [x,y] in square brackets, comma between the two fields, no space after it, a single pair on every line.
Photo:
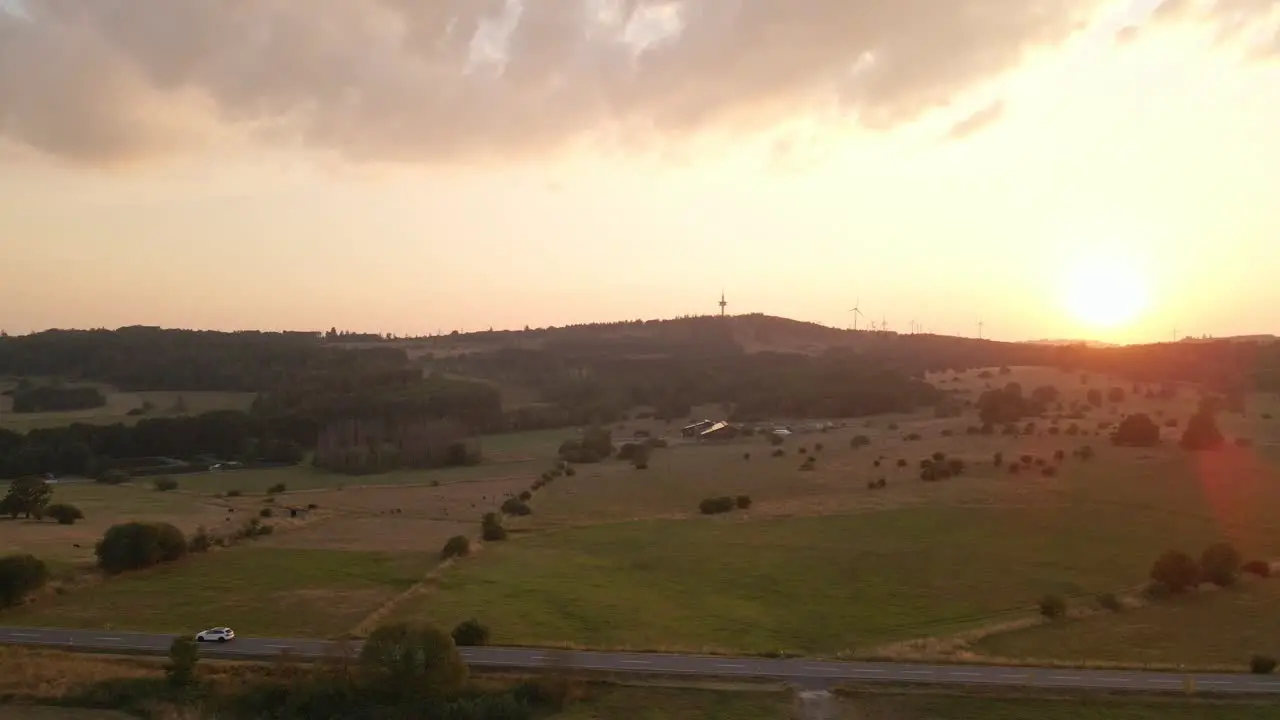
[977,122]
[1233,21]
[446,80]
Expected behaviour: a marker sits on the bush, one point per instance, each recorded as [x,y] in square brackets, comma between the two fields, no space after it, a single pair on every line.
[491,528]
[716,505]
[893,426]
[1175,571]
[570,472]
[276,489]
[526,496]
[1109,601]
[64,513]
[1220,564]
[20,575]
[902,462]
[779,453]
[1262,664]
[776,439]
[200,542]
[234,493]
[470,633]
[742,501]
[138,545]
[1202,432]
[184,653]
[164,483]
[265,512]
[515,506]
[1261,568]
[1053,606]
[456,546]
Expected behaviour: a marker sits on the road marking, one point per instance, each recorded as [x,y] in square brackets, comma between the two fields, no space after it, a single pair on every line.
[23,635]
[1008,676]
[110,639]
[537,657]
[635,662]
[1063,677]
[866,672]
[967,674]
[1164,682]
[729,665]
[280,647]
[917,672]
[1215,682]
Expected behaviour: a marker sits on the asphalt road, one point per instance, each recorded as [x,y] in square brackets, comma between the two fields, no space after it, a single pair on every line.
[806,673]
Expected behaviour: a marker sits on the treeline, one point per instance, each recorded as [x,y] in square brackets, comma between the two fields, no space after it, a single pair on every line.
[91,450]
[49,398]
[146,358]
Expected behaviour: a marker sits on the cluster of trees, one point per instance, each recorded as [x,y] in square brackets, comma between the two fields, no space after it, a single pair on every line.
[1221,564]
[52,398]
[90,450]
[724,504]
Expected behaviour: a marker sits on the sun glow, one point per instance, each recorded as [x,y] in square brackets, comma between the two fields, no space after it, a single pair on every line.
[1106,291]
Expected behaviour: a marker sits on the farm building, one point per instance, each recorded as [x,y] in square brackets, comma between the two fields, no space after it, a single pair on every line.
[696,429]
[719,431]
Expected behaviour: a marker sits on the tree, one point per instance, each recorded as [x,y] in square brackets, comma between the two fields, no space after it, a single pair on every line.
[412,661]
[1137,430]
[470,633]
[1262,664]
[20,575]
[64,513]
[1094,396]
[138,545]
[1175,571]
[456,546]
[1202,432]
[1115,395]
[1220,564]
[184,653]
[27,496]
[491,529]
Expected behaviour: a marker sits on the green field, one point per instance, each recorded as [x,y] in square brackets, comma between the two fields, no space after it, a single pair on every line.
[258,591]
[655,703]
[1223,627]
[809,584]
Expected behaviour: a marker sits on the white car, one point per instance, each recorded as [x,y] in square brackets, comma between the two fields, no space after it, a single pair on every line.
[219,634]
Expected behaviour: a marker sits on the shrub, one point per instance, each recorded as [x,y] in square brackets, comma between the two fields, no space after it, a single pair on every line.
[716,505]
[526,496]
[746,456]
[779,453]
[875,463]
[955,466]
[276,489]
[1027,460]
[1053,606]
[456,546]
[1059,455]
[1175,571]
[516,506]
[1014,469]
[20,575]
[1262,664]
[200,542]
[902,462]
[776,439]
[491,528]
[64,513]
[570,472]
[1109,601]
[893,426]
[138,545]
[470,633]
[164,483]
[817,447]
[802,450]
[743,502]
[184,653]
[1220,564]
[1261,568]
[912,437]
[265,512]
[234,493]
[997,459]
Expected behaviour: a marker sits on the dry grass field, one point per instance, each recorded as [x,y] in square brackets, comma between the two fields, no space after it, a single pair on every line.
[120,403]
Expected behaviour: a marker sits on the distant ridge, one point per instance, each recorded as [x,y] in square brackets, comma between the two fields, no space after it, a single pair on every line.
[1086,343]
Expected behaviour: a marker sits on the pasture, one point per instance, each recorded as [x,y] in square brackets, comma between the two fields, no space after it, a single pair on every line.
[274,592]
[1213,626]
[119,404]
[820,563]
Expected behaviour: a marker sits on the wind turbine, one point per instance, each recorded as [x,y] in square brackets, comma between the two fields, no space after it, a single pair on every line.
[884,324]
[981,324]
[856,312]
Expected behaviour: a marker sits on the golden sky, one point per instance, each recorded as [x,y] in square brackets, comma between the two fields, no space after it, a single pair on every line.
[1056,168]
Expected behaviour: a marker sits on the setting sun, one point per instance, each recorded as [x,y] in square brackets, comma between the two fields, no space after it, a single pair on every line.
[1106,292]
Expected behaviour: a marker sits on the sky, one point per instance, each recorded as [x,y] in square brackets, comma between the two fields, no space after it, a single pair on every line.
[1051,168]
